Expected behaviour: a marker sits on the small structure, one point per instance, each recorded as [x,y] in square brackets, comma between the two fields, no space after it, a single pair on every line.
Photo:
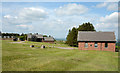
[4,37]
[31,46]
[39,38]
[15,39]
[49,39]
[12,37]
[8,36]
[35,37]
[104,41]
[42,46]
[29,36]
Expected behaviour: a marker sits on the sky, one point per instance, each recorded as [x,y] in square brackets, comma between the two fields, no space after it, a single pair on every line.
[56,18]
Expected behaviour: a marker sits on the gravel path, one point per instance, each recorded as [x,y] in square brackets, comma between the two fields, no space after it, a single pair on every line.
[22,42]
[18,42]
[65,47]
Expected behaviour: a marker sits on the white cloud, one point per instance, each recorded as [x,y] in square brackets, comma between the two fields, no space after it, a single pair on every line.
[26,15]
[38,20]
[113,6]
[15,17]
[71,9]
[112,18]
[111,0]
[101,5]
[109,22]
[7,16]
[10,17]
[25,27]
[33,14]
[110,6]
[24,19]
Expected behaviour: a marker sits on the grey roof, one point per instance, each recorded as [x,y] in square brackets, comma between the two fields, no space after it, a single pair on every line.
[48,39]
[39,36]
[35,35]
[29,35]
[95,36]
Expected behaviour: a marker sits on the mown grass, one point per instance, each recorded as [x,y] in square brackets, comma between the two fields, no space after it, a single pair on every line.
[20,57]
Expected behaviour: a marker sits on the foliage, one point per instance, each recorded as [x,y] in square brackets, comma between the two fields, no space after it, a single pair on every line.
[72,35]
[22,38]
[45,36]
[10,34]
[49,35]
[86,27]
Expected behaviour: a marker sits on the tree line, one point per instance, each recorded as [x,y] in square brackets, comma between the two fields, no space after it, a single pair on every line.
[22,36]
[72,34]
[15,35]
[10,34]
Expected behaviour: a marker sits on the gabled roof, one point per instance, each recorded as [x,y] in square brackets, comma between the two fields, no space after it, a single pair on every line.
[39,36]
[29,35]
[48,39]
[35,35]
[95,36]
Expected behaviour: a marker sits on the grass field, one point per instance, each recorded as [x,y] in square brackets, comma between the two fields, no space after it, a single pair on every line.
[20,57]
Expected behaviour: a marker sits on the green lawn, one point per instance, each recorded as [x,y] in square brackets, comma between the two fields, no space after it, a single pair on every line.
[20,57]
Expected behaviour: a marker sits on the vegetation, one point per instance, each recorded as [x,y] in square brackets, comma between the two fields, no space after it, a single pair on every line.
[72,35]
[45,36]
[23,37]
[10,34]
[20,57]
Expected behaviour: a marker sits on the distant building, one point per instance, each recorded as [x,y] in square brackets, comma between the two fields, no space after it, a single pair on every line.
[15,39]
[12,36]
[3,36]
[39,38]
[49,39]
[104,41]
[35,37]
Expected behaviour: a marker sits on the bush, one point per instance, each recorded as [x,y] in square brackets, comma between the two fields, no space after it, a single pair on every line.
[22,38]
[116,49]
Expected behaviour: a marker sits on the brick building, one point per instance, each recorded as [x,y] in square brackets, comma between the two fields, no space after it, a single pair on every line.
[91,40]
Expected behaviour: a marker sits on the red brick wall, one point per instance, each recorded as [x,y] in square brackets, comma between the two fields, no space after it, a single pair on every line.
[101,46]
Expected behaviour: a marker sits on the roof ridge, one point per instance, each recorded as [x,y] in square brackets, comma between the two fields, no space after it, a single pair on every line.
[97,31]
[96,36]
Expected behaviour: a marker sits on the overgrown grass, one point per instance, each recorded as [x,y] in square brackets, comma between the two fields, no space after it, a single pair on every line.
[20,57]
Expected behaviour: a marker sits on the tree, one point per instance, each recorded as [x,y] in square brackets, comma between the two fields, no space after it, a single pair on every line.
[44,35]
[72,34]
[69,38]
[86,27]
[22,34]
[49,35]
[72,37]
